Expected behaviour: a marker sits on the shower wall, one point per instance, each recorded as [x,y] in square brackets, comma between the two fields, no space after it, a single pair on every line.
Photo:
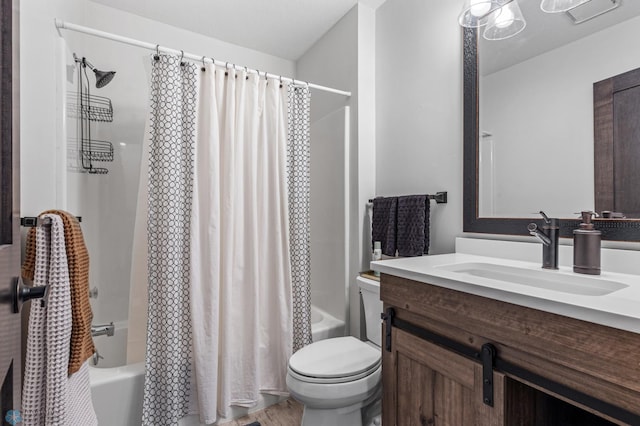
[344,58]
[329,213]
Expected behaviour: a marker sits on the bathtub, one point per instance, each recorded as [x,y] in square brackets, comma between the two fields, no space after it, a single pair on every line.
[117,389]
[324,326]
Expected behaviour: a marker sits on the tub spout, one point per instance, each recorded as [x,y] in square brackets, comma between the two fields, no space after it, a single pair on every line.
[103,329]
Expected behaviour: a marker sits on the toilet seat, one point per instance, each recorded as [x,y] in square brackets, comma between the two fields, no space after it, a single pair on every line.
[337,360]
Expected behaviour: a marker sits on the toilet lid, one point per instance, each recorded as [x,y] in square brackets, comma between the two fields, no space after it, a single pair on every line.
[333,358]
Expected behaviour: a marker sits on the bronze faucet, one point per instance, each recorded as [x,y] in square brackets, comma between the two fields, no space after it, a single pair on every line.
[549,238]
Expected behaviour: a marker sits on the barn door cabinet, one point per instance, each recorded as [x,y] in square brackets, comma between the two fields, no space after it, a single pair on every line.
[452,358]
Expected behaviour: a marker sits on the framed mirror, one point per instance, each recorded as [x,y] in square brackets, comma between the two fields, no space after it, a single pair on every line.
[529,130]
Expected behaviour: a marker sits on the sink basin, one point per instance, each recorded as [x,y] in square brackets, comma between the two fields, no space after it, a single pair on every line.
[542,279]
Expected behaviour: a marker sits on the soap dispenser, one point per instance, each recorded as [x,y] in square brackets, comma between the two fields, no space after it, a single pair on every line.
[586,247]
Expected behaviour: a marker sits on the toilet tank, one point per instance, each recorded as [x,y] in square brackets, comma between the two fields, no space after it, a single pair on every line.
[370,296]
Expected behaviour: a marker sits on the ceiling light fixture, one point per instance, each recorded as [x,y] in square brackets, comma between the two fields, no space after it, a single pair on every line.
[505,22]
[475,13]
[504,18]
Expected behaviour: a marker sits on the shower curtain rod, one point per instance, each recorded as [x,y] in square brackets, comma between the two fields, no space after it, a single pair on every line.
[150,46]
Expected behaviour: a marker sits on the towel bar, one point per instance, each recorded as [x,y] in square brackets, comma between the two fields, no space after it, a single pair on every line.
[34,221]
[440,197]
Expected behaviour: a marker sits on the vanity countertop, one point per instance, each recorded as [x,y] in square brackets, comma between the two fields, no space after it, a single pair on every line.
[618,309]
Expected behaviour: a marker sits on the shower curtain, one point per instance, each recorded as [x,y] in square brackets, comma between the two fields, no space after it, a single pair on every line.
[170,182]
[299,175]
[222,174]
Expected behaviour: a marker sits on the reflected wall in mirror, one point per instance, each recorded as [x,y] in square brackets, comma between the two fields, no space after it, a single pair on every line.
[529,119]
[536,109]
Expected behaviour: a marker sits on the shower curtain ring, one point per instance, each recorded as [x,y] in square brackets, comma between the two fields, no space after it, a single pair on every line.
[281,82]
[226,68]
[246,73]
[182,57]
[203,63]
[157,55]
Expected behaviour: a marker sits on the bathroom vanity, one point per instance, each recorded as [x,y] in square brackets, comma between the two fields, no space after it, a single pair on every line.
[472,340]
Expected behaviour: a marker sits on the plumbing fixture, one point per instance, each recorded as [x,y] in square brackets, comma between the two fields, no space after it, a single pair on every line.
[103,329]
[93,293]
[102,77]
[95,359]
[549,238]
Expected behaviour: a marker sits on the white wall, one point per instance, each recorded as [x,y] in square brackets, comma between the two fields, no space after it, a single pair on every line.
[329,255]
[540,113]
[343,58]
[419,108]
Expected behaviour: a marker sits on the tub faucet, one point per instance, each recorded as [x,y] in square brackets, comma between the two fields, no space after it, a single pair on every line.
[103,329]
[549,239]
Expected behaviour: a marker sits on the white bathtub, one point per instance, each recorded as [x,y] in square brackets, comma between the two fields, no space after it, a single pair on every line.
[324,326]
[116,389]
[117,392]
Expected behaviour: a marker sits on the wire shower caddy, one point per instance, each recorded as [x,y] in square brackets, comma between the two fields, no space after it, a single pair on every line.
[88,108]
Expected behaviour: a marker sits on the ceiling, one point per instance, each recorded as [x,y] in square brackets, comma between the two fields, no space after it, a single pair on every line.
[544,32]
[283,28]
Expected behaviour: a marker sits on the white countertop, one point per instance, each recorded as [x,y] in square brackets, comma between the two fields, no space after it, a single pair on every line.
[619,309]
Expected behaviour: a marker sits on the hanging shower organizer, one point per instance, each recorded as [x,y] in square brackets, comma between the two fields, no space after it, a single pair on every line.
[88,108]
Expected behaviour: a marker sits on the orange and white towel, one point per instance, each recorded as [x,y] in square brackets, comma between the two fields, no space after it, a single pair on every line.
[50,396]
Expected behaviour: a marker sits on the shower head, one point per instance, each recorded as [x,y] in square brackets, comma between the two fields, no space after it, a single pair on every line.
[103,77]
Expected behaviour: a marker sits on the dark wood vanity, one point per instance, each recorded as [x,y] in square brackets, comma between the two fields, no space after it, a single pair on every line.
[548,369]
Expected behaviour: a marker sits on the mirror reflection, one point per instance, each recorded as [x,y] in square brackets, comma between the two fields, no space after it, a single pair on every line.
[536,109]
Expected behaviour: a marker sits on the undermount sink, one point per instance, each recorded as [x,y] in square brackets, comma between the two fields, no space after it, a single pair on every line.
[542,279]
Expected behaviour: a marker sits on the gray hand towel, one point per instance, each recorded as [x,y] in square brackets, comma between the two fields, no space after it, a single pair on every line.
[383,228]
[413,225]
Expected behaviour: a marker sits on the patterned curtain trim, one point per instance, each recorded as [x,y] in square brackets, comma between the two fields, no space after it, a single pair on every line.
[298,172]
[171,152]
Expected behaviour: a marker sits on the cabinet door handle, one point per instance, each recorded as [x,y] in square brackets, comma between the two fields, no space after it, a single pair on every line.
[488,356]
[388,320]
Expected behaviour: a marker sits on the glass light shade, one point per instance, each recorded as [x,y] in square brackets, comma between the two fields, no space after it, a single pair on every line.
[505,22]
[557,6]
[475,13]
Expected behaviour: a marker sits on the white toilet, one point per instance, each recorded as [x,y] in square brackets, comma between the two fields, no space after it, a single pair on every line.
[339,380]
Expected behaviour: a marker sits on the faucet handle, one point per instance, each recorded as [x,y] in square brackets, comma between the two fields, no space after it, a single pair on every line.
[545,217]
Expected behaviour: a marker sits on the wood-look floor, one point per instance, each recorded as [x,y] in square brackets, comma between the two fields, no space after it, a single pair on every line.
[285,413]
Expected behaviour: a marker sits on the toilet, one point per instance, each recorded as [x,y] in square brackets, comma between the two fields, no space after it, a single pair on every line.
[339,380]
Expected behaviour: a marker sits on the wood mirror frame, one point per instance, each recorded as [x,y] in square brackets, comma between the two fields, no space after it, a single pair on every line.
[612,229]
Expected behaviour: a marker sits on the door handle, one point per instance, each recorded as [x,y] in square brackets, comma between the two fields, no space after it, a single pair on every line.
[20,293]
